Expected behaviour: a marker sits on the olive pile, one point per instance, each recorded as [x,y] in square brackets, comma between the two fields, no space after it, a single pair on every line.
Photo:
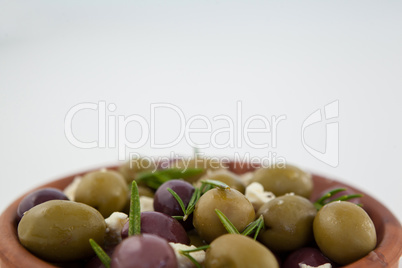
[205,209]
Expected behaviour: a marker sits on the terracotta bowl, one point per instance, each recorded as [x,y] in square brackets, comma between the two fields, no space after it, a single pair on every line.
[386,254]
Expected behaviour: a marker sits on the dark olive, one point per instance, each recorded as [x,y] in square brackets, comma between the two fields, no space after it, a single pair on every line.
[344,232]
[59,230]
[238,251]
[162,225]
[231,202]
[288,222]
[230,178]
[281,180]
[37,197]
[104,190]
[144,251]
[131,168]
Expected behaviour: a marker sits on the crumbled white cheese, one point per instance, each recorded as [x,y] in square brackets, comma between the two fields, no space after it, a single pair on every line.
[146,203]
[114,225]
[70,190]
[257,196]
[183,261]
[327,265]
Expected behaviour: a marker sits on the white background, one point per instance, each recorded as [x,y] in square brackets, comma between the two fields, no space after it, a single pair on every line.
[204,57]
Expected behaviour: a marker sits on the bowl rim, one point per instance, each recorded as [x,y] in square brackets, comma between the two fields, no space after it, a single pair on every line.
[387,252]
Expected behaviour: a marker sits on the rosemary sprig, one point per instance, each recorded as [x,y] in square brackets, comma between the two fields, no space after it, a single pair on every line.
[102,255]
[177,197]
[206,185]
[215,183]
[323,200]
[134,218]
[186,252]
[254,227]
[226,222]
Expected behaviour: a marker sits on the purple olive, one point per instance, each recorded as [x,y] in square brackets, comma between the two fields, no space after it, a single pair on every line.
[306,255]
[162,225]
[37,197]
[165,202]
[143,251]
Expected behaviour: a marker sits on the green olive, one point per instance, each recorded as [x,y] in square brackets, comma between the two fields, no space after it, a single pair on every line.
[230,178]
[282,180]
[344,232]
[131,168]
[105,190]
[238,251]
[288,222]
[59,230]
[231,202]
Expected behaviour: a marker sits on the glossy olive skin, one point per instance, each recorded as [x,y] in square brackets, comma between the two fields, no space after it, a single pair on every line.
[288,222]
[59,230]
[105,190]
[344,232]
[144,251]
[37,197]
[162,225]
[281,180]
[238,251]
[132,168]
[231,202]
[225,176]
[165,202]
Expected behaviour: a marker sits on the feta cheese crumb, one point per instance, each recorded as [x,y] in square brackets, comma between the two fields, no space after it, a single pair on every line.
[114,225]
[326,265]
[257,196]
[183,261]
[146,203]
[70,190]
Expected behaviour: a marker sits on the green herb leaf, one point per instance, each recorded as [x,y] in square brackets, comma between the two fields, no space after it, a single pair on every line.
[206,185]
[321,201]
[215,183]
[186,252]
[254,227]
[178,199]
[134,227]
[347,197]
[195,249]
[104,258]
[194,261]
[261,225]
[226,222]
[329,194]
